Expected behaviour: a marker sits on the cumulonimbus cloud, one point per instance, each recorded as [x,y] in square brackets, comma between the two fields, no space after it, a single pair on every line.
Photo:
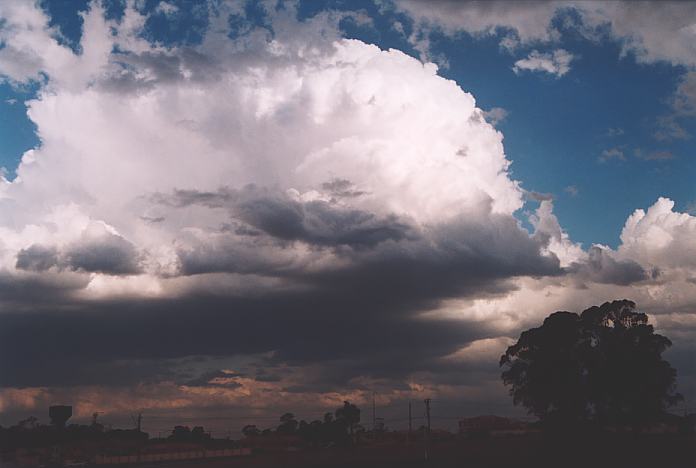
[267,196]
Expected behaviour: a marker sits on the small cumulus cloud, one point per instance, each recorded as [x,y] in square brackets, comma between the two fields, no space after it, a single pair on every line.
[554,63]
[495,115]
[682,107]
[538,196]
[658,155]
[612,154]
[684,100]
[669,129]
[399,28]
[572,190]
[166,8]
[420,40]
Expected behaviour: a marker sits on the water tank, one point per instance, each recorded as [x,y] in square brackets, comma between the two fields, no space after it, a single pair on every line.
[59,414]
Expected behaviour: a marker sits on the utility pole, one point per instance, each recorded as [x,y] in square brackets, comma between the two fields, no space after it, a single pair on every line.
[374,417]
[410,423]
[427,431]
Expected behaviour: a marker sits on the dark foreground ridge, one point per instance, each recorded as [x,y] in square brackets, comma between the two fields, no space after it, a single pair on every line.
[524,451]
[484,441]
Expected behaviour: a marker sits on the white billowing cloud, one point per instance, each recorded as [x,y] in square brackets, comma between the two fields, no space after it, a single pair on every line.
[654,265]
[558,242]
[554,63]
[660,237]
[599,264]
[486,349]
[30,47]
[120,129]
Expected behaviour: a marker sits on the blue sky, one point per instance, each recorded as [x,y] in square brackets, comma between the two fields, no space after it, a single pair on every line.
[555,132]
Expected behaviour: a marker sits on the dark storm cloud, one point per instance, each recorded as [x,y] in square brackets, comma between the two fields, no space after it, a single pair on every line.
[215,378]
[600,267]
[37,258]
[360,320]
[229,257]
[76,348]
[484,246]
[75,370]
[109,254]
[139,72]
[33,291]
[262,377]
[322,224]
[314,222]
[152,219]
[342,188]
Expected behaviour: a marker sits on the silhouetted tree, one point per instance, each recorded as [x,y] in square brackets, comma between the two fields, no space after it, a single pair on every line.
[604,365]
[288,424]
[30,423]
[250,430]
[349,415]
[198,434]
[181,433]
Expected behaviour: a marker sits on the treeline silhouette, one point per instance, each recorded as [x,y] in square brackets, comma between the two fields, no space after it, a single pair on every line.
[342,427]
[29,433]
[185,434]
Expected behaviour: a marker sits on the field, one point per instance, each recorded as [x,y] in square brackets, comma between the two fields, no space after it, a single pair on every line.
[616,451]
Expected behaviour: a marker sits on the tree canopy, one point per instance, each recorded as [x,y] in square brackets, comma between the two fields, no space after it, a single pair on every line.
[340,427]
[349,414]
[604,366]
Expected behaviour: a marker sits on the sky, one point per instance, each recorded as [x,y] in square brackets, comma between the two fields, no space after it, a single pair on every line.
[221,211]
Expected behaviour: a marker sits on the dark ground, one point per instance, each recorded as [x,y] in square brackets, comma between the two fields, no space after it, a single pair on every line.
[655,451]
